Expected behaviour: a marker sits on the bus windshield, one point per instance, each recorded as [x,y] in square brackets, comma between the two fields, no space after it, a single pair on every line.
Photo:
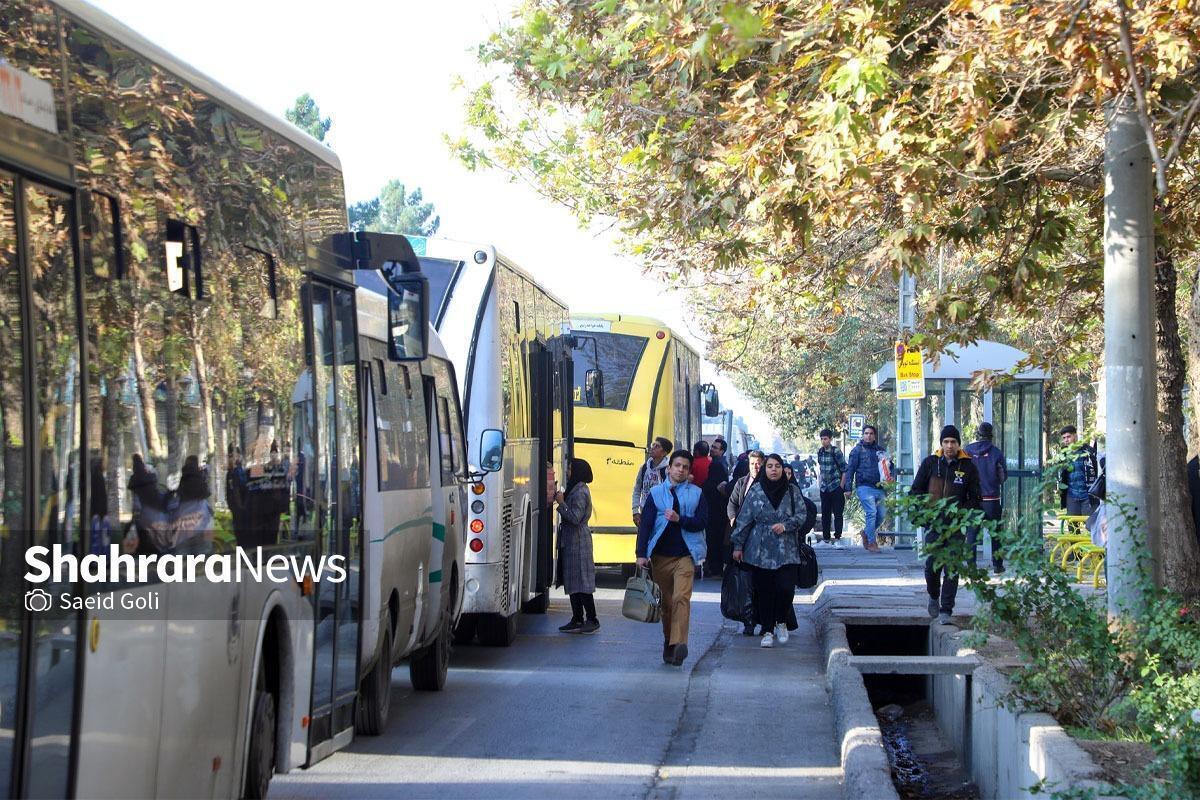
[617,355]
[440,272]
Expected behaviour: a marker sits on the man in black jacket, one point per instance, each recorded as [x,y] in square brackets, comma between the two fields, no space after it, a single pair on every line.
[714,488]
[948,473]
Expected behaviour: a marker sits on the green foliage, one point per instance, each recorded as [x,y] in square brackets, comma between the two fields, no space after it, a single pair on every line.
[305,114]
[396,211]
[1136,677]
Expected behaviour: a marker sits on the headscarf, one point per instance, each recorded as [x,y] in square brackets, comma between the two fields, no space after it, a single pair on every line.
[774,490]
[581,472]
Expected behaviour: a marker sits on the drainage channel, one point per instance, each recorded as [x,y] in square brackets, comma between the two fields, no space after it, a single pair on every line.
[925,765]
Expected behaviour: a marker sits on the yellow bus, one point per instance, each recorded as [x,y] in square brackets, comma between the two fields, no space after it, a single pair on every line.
[635,379]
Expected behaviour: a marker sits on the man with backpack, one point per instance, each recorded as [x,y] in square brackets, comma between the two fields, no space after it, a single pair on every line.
[989,461]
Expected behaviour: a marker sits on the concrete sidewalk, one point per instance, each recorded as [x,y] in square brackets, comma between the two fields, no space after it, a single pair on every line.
[755,722]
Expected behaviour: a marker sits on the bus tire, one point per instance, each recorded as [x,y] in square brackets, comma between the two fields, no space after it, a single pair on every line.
[464,631]
[260,760]
[538,604]
[428,666]
[496,630]
[375,695]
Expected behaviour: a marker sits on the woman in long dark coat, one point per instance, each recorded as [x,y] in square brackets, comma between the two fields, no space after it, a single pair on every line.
[575,548]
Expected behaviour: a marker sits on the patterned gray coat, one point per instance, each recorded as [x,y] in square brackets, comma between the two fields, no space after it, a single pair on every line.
[578,569]
[752,533]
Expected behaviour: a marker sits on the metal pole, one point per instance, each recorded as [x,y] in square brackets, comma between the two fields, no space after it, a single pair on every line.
[1129,352]
[1079,411]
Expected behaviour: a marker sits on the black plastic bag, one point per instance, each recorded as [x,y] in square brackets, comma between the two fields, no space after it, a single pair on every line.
[737,602]
[806,574]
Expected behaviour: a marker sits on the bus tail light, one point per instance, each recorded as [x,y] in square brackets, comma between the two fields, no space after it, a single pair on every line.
[477,527]
[477,488]
[477,507]
[476,545]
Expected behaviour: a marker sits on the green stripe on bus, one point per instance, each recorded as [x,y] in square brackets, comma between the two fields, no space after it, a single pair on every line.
[435,577]
[402,526]
[439,532]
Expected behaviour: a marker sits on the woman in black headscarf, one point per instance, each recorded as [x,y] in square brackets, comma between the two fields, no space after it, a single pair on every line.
[575,548]
[767,537]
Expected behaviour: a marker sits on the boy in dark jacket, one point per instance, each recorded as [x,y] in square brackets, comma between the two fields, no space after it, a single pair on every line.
[948,473]
[989,462]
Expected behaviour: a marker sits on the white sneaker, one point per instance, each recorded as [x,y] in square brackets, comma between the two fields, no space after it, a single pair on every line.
[839,544]
[767,640]
[781,633]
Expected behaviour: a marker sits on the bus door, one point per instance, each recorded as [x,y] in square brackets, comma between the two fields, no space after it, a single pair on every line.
[332,323]
[542,393]
[39,480]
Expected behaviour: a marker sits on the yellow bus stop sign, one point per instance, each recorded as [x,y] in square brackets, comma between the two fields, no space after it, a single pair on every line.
[910,373]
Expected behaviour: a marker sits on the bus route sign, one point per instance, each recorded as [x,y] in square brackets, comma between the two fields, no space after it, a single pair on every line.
[910,373]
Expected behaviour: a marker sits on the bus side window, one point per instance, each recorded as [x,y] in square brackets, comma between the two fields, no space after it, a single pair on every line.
[416,431]
[445,442]
[389,435]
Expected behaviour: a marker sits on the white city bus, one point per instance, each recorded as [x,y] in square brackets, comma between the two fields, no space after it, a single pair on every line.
[198,363]
[508,338]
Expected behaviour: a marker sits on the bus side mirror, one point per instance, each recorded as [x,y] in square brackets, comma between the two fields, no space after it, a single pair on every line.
[593,388]
[408,318]
[712,401]
[491,450]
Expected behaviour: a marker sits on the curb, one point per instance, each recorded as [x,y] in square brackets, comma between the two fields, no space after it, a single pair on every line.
[865,766]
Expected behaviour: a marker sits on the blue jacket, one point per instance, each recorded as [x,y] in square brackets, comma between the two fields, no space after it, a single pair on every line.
[862,468]
[993,471]
[693,517]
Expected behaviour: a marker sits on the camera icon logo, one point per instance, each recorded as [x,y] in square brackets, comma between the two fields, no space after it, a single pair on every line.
[38,600]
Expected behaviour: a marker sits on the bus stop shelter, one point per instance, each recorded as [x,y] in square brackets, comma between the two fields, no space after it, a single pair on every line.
[1014,408]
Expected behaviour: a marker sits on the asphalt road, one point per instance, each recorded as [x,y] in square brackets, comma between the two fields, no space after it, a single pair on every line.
[559,715]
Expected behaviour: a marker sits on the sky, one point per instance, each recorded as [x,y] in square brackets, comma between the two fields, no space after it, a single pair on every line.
[384,72]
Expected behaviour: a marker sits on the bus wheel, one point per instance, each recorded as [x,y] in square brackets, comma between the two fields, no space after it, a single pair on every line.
[260,762]
[496,630]
[538,604]
[428,666]
[375,698]
[464,632]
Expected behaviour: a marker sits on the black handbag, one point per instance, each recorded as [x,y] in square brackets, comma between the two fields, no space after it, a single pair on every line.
[807,571]
[737,603]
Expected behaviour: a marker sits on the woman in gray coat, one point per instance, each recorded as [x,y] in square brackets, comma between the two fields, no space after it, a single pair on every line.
[575,548]
[767,537]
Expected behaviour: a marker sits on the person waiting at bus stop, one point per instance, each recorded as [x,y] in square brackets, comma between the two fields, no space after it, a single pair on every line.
[575,548]
[947,474]
[671,540]
[767,537]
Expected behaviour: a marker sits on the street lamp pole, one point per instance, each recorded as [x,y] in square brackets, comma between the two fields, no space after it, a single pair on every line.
[1129,352]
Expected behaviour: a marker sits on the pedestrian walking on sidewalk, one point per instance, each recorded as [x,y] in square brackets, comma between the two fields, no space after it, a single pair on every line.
[671,540]
[717,532]
[651,474]
[701,461]
[831,465]
[864,476]
[737,496]
[766,536]
[989,462]
[575,548]
[948,473]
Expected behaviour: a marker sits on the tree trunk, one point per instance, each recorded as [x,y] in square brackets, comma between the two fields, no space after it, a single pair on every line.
[146,396]
[1193,364]
[1179,550]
